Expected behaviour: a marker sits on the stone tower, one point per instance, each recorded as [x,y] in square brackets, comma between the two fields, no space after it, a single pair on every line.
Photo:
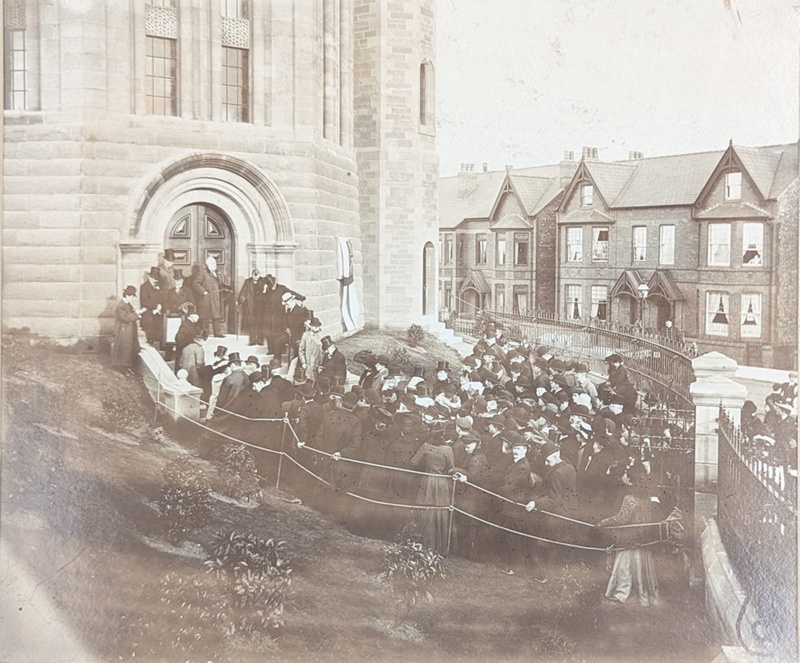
[395,146]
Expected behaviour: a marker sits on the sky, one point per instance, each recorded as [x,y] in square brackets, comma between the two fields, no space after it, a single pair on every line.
[519,82]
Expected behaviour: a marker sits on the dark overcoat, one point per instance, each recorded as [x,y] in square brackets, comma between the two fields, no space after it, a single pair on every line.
[126,336]
[207,288]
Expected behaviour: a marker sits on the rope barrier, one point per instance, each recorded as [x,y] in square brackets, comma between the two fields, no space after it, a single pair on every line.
[663,525]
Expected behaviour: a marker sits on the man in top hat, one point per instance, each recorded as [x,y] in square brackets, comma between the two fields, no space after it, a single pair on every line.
[166,270]
[215,373]
[340,435]
[375,373]
[333,365]
[443,378]
[176,300]
[235,382]
[207,287]
[310,350]
[270,312]
[152,300]
[193,359]
[126,337]
[246,301]
[295,317]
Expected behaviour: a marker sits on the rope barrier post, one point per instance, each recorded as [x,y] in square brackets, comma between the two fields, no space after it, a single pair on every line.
[280,456]
[452,511]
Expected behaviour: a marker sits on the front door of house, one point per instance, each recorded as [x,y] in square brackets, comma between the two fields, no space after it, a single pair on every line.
[196,232]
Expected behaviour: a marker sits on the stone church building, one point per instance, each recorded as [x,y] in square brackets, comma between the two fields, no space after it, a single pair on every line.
[296,136]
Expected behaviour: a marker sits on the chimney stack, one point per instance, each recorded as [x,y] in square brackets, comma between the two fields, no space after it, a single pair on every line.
[589,153]
[567,168]
[467,180]
[485,167]
[569,155]
[509,167]
[633,156]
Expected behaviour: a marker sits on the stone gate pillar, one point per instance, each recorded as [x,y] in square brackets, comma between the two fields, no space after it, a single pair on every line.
[713,386]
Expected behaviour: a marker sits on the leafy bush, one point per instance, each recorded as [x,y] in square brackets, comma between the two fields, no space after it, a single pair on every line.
[410,567]
[414,335]
[120,415]
[184,501]
[239,473]
[255,576]
[399,356]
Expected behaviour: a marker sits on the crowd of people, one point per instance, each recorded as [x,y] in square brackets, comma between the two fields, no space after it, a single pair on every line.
[517,439]
[770,441]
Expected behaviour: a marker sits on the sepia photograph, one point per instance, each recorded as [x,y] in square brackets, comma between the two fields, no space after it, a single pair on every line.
[391,331]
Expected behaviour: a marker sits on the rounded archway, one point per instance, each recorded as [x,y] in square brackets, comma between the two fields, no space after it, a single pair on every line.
[261,227]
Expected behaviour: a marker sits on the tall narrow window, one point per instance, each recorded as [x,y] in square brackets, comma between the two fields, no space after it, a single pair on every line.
[501,250]
[161,57]
[719,244]
[753,244]
[639,243]
[520,249]
[520,304]
[717,320]
[574,302]
[500,297]
[666,245]
[733,186]
[751,315]
[235,75]
[600,302]
[20,56]
[587,195]
[574,244]
[480,250]
[599,244]
[448,250]
[426,99]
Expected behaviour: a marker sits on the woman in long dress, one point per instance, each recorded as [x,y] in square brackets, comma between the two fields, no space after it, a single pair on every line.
[436,457]
[633,575]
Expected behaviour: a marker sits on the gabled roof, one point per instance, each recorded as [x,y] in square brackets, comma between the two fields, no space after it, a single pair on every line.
[477,281]
[733,209]
[534,192]
[627,284]
[610,178]
[761,165]
[586,215]
[471,197]
[665,181]
[663,285]
[786,171]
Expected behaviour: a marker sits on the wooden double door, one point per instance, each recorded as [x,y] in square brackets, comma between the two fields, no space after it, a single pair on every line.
[196,232]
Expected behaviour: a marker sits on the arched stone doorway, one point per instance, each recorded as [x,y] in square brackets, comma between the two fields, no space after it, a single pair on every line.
[428,280]
[249,204]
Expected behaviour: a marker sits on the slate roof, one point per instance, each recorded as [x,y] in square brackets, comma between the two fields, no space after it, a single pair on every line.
[733,210]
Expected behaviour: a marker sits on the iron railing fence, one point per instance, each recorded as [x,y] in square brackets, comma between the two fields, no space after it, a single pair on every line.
[758,527]
[659,366]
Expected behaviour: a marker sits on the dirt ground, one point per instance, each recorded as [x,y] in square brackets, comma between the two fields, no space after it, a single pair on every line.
[81,475]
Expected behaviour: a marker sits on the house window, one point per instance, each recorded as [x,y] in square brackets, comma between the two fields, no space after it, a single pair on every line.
[733,186]
[501,250]
[235,87]
[587,195]
[574,302]
[461,250]
[500,297]
[599,243]
[161,79]
[448,295]
[480,250]
[521,299]
[751,315]
[719,244]
[426,94]
[448,250]
[520,249]
[717,320]
[753,244]
[639,243]
[666,245]
[574,244]
[600,302]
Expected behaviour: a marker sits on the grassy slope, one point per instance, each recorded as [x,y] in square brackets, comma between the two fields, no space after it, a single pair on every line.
[79,483]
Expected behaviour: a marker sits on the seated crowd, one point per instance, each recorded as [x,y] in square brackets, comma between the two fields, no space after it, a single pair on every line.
[518,433]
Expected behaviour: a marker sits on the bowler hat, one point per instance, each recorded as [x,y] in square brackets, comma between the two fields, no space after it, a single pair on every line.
[130,291]
[255,376]
[286,296]
[383,360]
[514,438]
[547,450]
[315,322]
[252,359]
[366,357]
[306,390]
[274,364]
[613,358]
[178,275]
[153,273]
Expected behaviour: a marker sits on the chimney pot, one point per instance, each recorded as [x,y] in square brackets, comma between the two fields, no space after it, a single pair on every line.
[586,153]
[485,167]
[569,155]
[509,167]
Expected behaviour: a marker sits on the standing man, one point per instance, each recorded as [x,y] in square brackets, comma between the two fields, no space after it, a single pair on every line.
[247,303]
[152,301]
[126,338]
[310,350]
[166,270]
[207,286]
[333,362]
[296,317]
[272,322]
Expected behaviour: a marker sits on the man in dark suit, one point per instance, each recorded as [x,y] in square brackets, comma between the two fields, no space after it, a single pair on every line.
[152,300]
[334,365]
[207,287]
[247,304]
[296,317]
[340,435]
[270,314]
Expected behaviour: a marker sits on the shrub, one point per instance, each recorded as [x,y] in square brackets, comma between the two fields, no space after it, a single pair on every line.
[120,415]
[399,356]
[254,577]
[410,567]
[414,335]
[185,501]
[239,473]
